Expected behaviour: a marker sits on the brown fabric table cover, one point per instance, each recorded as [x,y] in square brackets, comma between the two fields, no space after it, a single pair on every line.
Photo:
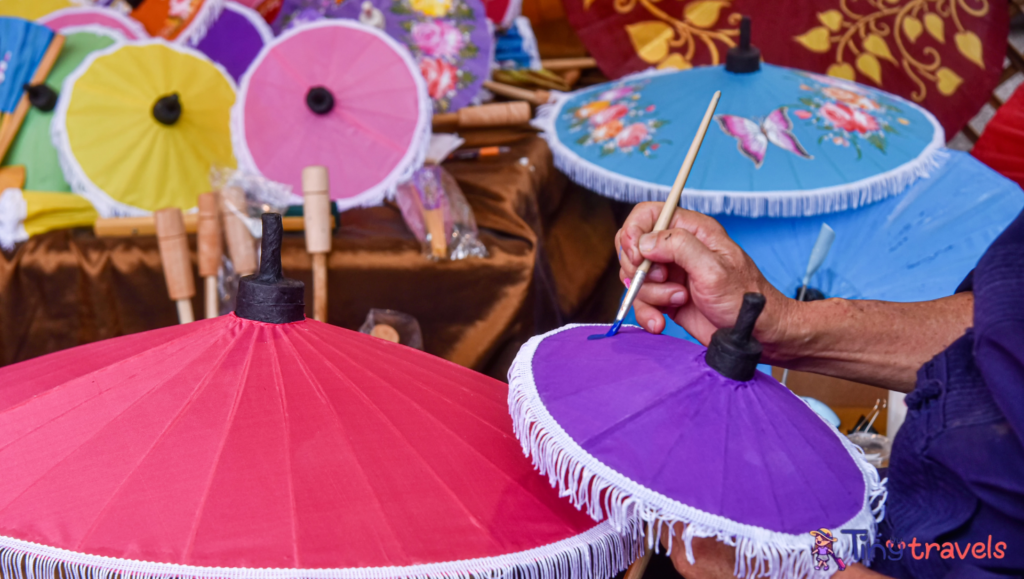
[550,243]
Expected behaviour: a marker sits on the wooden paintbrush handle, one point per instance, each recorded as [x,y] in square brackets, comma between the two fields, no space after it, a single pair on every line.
[684,172]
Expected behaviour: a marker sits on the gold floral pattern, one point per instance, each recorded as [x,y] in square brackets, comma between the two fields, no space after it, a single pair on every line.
[672,40]
[863,42]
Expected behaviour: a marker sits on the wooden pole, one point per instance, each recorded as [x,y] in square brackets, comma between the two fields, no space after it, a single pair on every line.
[484,116]
[173,242]
[13,121]
[211,249]
[241,248]
[560,64]
[317,211]
[536,97]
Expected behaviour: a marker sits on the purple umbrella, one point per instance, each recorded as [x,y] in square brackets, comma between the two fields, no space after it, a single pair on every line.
[647,426]
[236,38]
[449,39]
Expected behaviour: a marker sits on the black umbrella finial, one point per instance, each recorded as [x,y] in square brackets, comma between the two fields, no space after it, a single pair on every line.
[320,100]
[733,352]
[745,57]
[268,296]
[167,109]
[41,96]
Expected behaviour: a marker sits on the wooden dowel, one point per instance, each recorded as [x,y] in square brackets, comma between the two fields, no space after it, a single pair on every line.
[174,253]
[484,116]
[317,211]
[136,226]
[210,244]
[560,64]
[13,124]
[536,97]
[12,176]
[211,297]
[241,246]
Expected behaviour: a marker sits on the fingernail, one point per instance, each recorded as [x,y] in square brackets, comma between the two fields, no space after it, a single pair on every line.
[647,242]
[627,281]
[678,298]
[651,325]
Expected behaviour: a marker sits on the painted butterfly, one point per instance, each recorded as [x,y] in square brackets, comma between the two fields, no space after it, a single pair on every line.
[752,139]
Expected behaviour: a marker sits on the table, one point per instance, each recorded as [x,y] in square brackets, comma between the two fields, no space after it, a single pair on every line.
[550,247]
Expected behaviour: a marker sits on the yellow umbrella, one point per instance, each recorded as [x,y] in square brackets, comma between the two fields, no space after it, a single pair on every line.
[27,213]
[32,9]
[139,126]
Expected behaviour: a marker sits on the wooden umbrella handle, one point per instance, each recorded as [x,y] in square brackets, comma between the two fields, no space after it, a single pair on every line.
[174,253]
[211,249]
[490,115]
[241,247]
[536,97]
[317,212]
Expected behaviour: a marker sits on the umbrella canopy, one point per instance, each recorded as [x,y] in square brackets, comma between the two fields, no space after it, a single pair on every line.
[185,22]
[915,247]
[948,61]
[71,19]
[240,447]
[33,147]
[786,143]
[1001,146]
[449,39]
[235,39]
[640,425]
[139,126]
[32,9]
[339,94]
[27,213]
[22,46]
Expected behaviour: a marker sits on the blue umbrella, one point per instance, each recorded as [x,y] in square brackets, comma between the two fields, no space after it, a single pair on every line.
[787,143]
[22,46]
[917,246]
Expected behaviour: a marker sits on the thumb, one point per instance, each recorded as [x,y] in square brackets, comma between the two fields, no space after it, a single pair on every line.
[677,246]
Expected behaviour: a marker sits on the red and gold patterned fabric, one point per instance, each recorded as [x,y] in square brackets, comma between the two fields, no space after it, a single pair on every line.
[1001,146]
[945,55]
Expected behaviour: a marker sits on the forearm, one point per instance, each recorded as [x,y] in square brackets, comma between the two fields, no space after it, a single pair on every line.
[879,343]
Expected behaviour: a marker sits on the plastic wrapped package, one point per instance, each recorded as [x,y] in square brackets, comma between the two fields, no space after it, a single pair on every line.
[437,213]
[393,326]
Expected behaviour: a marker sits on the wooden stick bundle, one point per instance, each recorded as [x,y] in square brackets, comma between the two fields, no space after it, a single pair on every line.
[174,253]
[317,211]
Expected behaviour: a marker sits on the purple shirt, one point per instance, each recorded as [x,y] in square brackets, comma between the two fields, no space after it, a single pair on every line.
[957,467]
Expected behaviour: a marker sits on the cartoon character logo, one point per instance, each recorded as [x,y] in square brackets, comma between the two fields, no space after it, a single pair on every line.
[823,541]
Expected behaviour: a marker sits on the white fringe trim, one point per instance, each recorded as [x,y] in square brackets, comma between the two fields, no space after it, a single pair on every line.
[131,24]
[599,553]
[780,203]
[13,212]
[74,174]
[410,162]
[196,30]
[590,484]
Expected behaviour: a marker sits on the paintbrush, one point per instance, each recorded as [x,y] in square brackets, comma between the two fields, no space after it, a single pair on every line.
[666,215]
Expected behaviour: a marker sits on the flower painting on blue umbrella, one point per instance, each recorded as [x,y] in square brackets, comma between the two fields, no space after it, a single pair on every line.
[618,120]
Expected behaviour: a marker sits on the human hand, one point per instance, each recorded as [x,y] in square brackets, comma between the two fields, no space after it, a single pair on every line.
[698,276]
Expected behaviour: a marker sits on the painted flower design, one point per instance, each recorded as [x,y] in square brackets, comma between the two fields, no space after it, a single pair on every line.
[850,98]
[632,136]
[442,78]
[432,8]
[848,119]
[437,38]
[608,114]
[617,120]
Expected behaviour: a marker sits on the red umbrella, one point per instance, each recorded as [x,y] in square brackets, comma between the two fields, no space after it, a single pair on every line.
[265,445]
[946,57]
[1001,146]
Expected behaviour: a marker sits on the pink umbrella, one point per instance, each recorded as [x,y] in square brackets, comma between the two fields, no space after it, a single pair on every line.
[69,19]
[335,93]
